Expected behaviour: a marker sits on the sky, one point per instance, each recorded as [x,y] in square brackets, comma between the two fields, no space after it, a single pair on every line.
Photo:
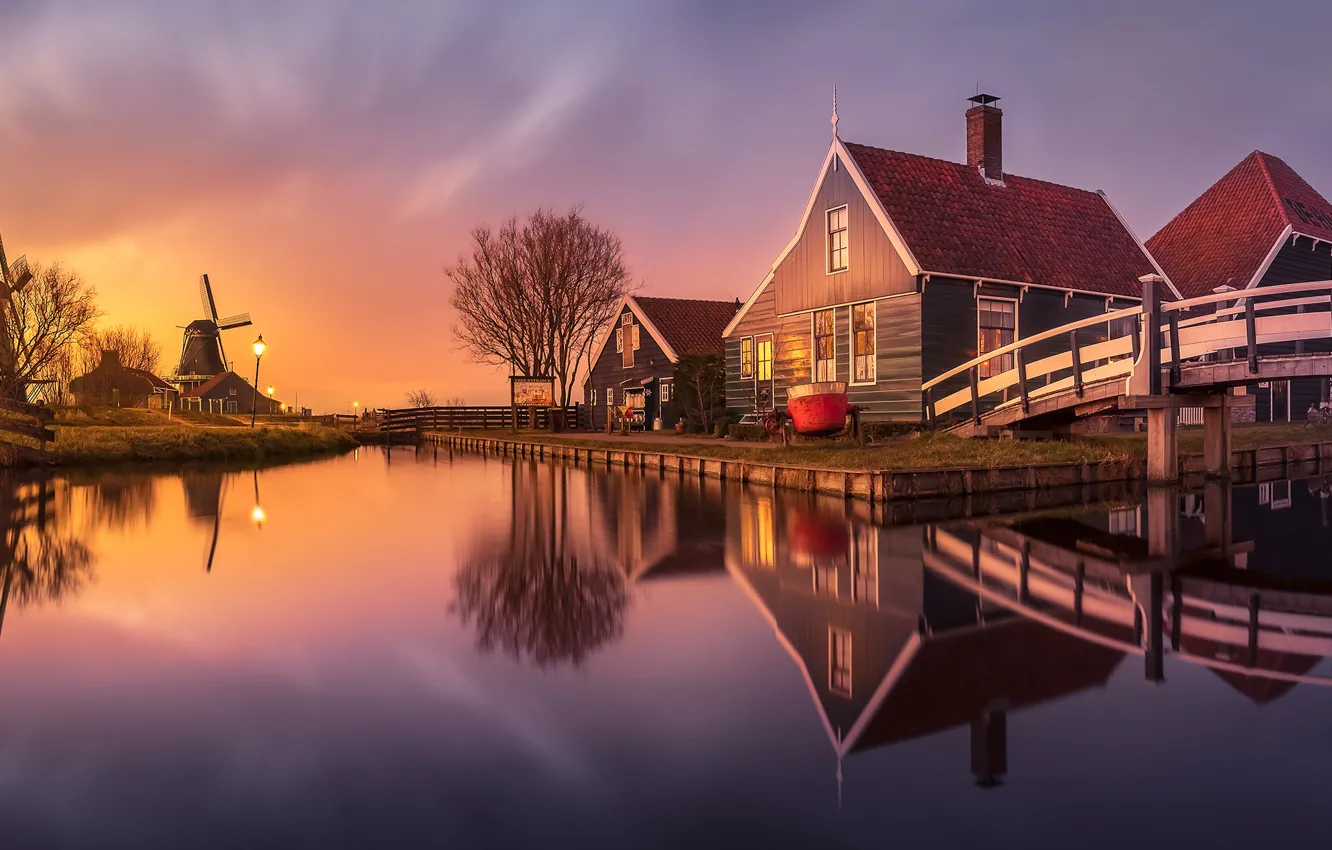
[324,162]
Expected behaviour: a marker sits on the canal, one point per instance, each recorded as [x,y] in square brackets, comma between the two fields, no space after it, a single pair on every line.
[419,650]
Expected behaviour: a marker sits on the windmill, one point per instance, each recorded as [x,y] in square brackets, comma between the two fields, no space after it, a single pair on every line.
[12,280]
[201,352]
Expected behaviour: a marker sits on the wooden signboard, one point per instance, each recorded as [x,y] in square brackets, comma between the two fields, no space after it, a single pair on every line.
[530,392]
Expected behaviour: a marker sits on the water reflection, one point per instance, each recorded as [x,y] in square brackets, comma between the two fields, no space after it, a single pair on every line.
[905,631]
[42,557]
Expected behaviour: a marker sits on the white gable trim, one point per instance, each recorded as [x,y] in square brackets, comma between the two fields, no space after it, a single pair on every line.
[643,320]
[836,150]
[1141,247]
[1271,256]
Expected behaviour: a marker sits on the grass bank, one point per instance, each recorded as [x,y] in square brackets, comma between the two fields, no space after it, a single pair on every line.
[932,451]
[97,436]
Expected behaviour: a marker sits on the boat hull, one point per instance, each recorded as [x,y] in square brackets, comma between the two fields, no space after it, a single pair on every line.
[818,410]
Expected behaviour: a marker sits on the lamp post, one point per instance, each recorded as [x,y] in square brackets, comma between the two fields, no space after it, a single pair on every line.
[270,400]
[258,352]
[356,409]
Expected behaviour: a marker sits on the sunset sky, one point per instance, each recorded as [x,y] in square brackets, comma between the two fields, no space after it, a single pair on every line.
[324,161]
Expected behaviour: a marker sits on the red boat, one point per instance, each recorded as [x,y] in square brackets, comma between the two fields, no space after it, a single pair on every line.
[818,410]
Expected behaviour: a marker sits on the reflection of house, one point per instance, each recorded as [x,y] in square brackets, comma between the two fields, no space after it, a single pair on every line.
[1259,225]
[635,366]
[115,385]
[227,393]
[889,650]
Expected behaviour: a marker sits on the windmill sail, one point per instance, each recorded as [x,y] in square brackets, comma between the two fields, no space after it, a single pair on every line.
[206,296]
[239,320]
[201,351]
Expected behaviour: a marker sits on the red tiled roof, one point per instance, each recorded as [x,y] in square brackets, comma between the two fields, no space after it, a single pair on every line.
[157,382]
[1223,237]
[209,384]
[688,325]
[1029,231]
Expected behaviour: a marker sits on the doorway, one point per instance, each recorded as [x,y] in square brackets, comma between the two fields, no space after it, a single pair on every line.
[763,382]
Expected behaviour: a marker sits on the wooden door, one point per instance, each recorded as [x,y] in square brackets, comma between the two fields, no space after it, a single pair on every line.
[763,380]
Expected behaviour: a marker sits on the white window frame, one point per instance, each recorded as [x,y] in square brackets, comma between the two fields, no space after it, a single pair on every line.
[1017,323]
[814,348]
[666,392]
[827,240]
[851,344]
[833,632]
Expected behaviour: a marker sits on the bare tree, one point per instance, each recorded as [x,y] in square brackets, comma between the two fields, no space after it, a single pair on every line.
[454,401]
[45,320]
[534,295]
[135,346]
[421,398]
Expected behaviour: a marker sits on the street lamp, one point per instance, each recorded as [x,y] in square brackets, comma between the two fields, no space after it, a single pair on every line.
[356,405]
[258,352]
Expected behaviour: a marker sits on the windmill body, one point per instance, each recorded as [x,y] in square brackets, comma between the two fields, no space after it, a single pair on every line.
[202,356]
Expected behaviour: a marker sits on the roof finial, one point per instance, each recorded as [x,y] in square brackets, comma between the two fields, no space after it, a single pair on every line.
[834,115]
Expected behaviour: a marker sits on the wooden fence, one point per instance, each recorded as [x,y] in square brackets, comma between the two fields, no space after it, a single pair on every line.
[485,418]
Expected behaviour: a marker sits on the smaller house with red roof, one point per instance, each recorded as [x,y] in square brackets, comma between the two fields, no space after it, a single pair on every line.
[1261,224]
[635,365]
[904,266]
[228,392]
[113,384]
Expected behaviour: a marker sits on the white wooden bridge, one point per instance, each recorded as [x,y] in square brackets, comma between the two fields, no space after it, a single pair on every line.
[1181,355]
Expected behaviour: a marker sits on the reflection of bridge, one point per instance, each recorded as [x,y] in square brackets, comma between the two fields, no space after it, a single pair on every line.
[1176,354]
[905,631]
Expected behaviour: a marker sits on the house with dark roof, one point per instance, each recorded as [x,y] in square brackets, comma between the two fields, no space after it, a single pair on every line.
[113,384]
[1261,224]
[904,266]
[635,365]
[228,392]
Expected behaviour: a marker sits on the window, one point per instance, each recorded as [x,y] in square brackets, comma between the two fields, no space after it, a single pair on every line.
[825,345]
[758,543]
[765,359]
[996,323]
[838,252]
[233,392]
[610,396]
[233,407]
[747,357]
[839,662]
[825,578]
[666,387]
[862,343]
[865,564]
[1124,521]
[626,339]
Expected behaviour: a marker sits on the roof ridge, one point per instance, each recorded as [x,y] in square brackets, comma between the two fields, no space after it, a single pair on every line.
[1271,184]
[964,166]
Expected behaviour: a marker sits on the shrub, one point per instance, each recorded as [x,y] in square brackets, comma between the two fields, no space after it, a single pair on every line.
[753,433]
[723,427]
[880,432]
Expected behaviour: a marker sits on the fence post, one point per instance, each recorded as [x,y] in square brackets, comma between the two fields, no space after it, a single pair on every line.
[929,407]
[1137,337]
[1174,346]
[1251,335]
[1077,362]
[973,378]
[1146,379]
[1021,356]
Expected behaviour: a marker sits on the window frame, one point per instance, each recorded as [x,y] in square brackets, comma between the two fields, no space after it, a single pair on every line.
[828,232]
[814,345]
[1017,334]
[851,345]
[847,668]
[747,369]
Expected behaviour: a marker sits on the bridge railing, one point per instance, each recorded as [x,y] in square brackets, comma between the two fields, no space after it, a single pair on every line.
[1085,363]
[480,417]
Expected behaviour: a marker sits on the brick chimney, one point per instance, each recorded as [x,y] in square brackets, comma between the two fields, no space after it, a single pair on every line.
[985,136]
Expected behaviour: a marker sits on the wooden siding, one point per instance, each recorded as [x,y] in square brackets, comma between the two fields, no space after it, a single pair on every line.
[874,269]
[896,393]
[1295,263]
[949,336]
[608,372]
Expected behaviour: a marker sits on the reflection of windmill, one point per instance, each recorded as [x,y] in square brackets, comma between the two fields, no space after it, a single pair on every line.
[201,352]
[12,280]
[203,501]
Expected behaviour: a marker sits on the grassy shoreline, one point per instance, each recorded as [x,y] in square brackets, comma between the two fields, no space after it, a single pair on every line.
[98,437]
[933,451]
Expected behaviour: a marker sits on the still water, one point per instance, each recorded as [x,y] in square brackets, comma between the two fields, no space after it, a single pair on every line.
[413,650]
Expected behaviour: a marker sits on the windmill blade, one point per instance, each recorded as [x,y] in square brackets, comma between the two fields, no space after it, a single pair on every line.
[206,296]
[19,274]
[239,320]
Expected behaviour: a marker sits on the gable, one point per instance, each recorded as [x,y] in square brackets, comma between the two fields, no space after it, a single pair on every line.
[802,280]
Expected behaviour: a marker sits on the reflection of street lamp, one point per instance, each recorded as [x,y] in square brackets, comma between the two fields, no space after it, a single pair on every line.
[258,352]
[257,516]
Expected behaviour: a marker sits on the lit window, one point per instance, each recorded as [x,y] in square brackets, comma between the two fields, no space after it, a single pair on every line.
[825,345]
[862,343]
[765,359]
[747,357]
[996,323]
[838,252]
[758,544]
[839,662]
